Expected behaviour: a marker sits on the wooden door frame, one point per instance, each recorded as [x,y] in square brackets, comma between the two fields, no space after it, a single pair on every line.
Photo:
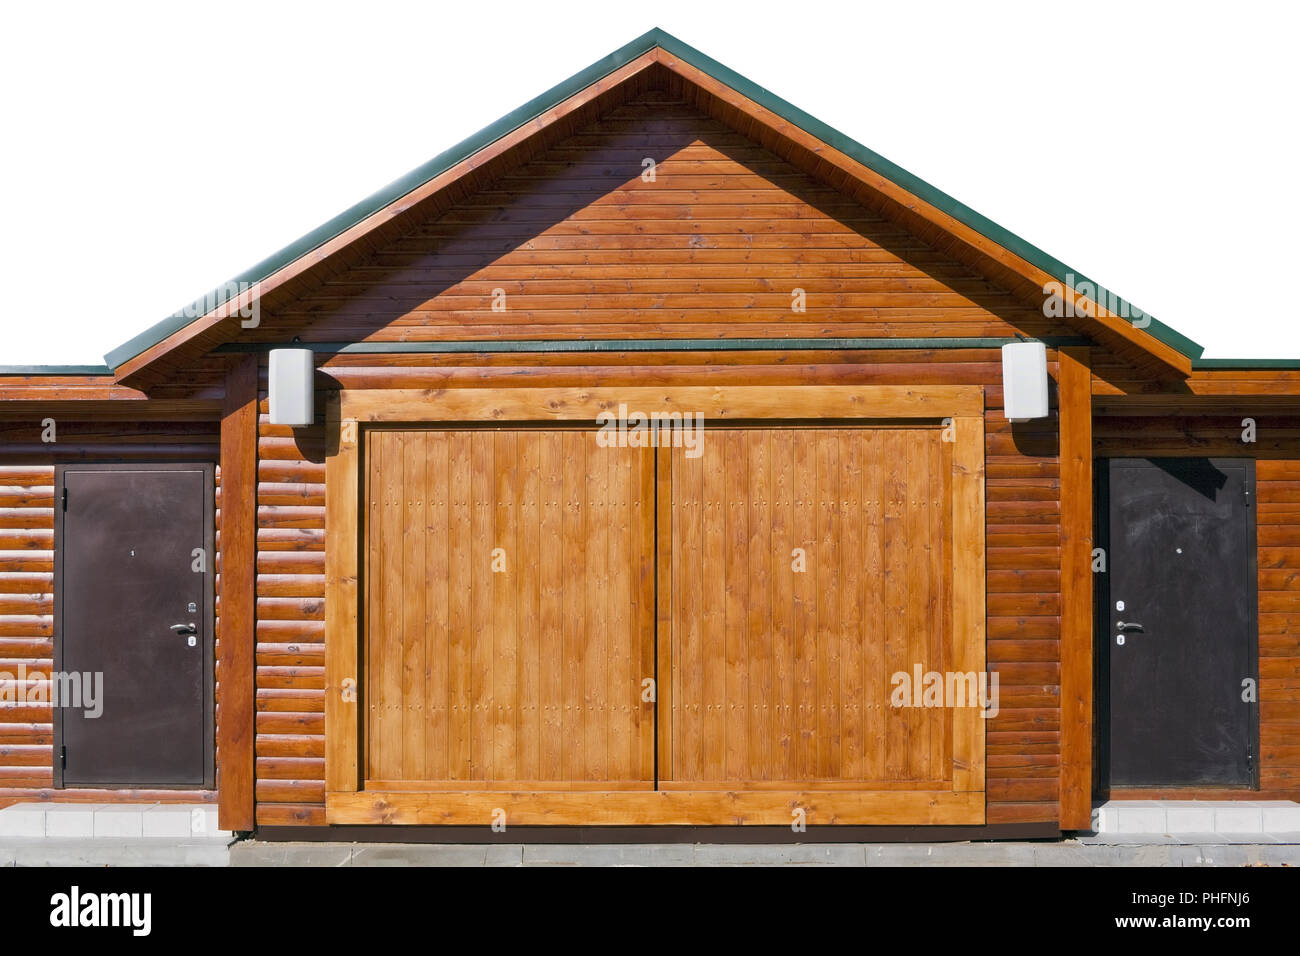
[207,614]
[349,411]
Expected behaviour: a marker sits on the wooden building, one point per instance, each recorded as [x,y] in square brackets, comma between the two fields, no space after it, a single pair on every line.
[453,596]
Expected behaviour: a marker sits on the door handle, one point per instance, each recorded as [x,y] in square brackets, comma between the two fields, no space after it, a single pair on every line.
[1131,625]
[185,629]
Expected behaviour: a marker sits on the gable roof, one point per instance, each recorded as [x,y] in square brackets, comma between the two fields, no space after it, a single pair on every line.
[1168,350]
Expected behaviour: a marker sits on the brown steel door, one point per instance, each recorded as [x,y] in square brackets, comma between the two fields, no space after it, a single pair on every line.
[134,589]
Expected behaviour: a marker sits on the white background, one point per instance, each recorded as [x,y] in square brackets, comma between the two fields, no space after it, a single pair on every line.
[152,152]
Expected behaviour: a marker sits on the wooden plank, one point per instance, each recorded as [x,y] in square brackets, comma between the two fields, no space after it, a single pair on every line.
[1075,400]
[644,610]
[437,638]
[666,593]
[554,568]
[658,808]
[342,675]
[461,575]
[720,403]
[414,579]
[968,599]
[235,801]
[528,598]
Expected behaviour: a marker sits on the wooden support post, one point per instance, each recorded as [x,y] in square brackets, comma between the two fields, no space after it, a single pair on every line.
[1074,396]
[235,663]
[342,570]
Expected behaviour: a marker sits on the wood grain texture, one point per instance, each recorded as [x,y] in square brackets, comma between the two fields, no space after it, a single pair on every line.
[660,808]
[722,403]
[775,620]
[238,612]
[342,573]
[1075,398]
[728,238]
[540,679]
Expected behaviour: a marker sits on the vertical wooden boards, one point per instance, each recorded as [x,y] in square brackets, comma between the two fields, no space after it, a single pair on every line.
[808,569]
[1074,391]
[969,606]
[342,543]
[237,647]
[790,576]
[539,545]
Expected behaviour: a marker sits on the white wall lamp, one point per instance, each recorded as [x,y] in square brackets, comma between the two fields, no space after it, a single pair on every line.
[1024,381]
[290,386]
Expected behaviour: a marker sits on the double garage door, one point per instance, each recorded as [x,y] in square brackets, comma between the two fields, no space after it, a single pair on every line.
[556,626]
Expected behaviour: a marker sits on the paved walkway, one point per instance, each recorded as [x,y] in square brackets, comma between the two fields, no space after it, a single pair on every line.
[1067,853]
[149,852]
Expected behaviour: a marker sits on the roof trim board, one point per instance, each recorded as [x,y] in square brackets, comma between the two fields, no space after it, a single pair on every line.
[539,105]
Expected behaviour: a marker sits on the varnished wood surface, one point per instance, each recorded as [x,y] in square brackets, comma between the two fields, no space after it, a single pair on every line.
[509,609]
[1075,398]
[808,567]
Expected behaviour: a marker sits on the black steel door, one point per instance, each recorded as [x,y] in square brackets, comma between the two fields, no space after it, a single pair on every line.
[133,625]
[1179,656]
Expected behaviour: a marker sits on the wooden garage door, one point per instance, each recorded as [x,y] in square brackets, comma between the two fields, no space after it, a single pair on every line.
[808,567]
[519,589]
[509,608]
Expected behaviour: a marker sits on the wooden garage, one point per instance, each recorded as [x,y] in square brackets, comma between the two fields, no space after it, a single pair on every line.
[835,584]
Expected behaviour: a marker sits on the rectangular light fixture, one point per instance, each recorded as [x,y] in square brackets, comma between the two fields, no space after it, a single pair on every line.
[291,388]
[1024,381]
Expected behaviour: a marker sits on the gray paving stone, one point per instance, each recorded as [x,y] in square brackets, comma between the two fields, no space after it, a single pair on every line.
[254,853]
[635,854]
[950,854]
[449,854]
[100,853]
[815,854]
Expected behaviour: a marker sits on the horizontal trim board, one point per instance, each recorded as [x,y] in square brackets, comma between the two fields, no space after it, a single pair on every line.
[727,403]
[657,808]
[719,835]
[646,345]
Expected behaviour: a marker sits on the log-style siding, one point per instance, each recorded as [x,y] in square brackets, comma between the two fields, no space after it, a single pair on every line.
[1276,451]
[578,243]
[27,573]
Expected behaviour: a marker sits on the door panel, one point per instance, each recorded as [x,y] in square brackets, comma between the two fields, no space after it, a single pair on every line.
[509,611]
[808,567]
[127,573]
[1182,561]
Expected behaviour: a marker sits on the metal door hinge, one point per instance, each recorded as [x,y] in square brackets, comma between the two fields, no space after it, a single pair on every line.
[63,757]
[65,498]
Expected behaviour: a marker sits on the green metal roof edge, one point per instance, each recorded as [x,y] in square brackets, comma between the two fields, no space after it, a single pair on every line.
[562,91]
[55,370]
[1232,363]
